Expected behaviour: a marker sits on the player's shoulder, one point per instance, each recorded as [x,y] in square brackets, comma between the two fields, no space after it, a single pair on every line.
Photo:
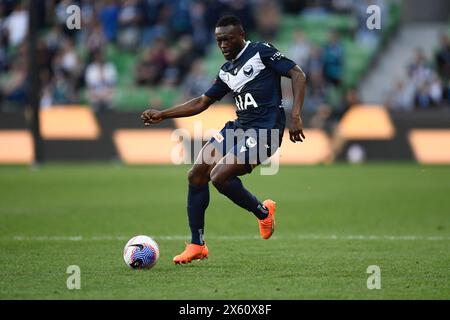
[225,66]
[265,49]
[263,46]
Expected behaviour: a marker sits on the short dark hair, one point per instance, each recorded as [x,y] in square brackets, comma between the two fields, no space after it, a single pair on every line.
[228,21]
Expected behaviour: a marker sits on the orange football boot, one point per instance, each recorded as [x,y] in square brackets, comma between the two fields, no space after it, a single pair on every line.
[267,226]
[192,252]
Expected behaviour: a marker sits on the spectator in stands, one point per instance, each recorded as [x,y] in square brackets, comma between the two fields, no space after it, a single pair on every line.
[300,49]
[343,6]
[328,116]
[167,58]
[429,93]
[401,97]
[423,99]
[150,69]
[429,88]
[70,61]
[43,56]
[46,95]
[171,75]
[54,39]
[243,10]
[101,77]
[201,34]
[197,81]
[3,39]
[267,20]
[419,70]
[156,20]
[320,118]
[293,6]
[333,60]
[349,100]
[442,60]
[14,88]
[188,52]
[130,19]
[3,16]
[59,91]
[17,25]
[316,8]
[96,39]
[180,18]
[317,92]
[87,13]
[436,90]
[109,16]
[146,72]
[314,64]
[3,56]
[60,12]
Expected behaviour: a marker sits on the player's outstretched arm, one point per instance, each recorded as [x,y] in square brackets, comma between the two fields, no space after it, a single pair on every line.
[298,79]
[187,109]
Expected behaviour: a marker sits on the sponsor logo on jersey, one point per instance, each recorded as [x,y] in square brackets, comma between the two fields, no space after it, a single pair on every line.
[277,56]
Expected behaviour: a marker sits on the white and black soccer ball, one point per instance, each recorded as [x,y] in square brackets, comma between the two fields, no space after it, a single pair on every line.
[141,252]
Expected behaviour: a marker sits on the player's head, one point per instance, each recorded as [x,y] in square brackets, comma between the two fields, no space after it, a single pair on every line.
[230,36]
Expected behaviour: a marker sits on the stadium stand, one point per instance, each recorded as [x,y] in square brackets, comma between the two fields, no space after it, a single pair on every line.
[167,58]
[129,95]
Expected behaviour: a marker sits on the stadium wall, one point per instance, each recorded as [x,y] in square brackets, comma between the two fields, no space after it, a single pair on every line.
[414,11]
[76,134]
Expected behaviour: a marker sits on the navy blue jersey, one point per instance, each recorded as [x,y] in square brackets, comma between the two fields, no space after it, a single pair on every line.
[255,79]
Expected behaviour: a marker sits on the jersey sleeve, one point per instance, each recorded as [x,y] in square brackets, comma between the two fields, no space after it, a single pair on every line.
[274,59]
[218,90]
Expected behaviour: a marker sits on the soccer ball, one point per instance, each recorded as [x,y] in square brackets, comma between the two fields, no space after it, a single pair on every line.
[141,252]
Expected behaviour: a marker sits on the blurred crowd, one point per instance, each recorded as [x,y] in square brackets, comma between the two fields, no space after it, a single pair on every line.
[169,39]
[427,82]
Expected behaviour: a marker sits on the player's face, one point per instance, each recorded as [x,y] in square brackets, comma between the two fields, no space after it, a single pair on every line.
[230,40]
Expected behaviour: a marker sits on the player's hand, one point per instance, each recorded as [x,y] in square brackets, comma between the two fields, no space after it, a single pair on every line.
[296,130]
[151,116]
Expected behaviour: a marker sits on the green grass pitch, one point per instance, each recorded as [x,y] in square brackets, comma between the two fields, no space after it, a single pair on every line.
[332,223]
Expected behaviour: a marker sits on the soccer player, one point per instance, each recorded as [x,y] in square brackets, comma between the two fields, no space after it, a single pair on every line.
[253,73]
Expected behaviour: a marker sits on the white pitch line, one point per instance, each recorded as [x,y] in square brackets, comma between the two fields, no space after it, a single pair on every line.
[232,238]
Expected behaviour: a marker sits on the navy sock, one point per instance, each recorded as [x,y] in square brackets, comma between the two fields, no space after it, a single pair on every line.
[236,192]
[198,200]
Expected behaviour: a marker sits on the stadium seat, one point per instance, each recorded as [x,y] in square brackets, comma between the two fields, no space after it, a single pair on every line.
[139,98]
[131,98]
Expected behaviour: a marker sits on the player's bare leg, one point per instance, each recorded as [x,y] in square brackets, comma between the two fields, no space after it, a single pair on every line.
[198,200]
[224,177]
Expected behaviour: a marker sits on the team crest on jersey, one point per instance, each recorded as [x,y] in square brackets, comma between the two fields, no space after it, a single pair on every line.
[237,78]
[248,70]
